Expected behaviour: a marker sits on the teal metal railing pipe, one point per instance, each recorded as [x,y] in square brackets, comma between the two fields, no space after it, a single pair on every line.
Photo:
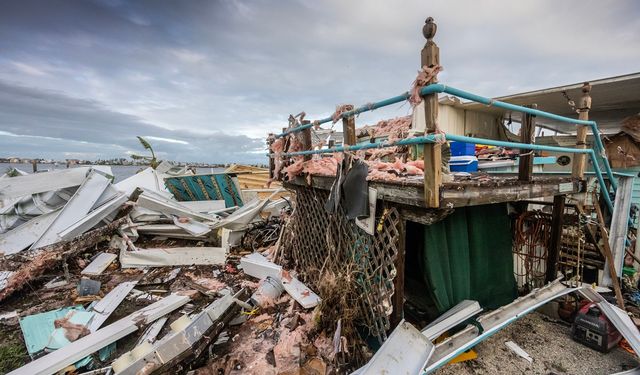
[512,107]
[347,114]
[440,88]
[432,138]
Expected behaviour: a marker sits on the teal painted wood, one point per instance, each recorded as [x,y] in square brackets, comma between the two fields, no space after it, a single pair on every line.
[216,186]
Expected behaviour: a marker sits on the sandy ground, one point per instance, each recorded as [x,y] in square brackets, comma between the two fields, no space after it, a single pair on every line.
[551,347]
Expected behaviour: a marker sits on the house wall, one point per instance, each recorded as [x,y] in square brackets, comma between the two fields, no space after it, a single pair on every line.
[455,120]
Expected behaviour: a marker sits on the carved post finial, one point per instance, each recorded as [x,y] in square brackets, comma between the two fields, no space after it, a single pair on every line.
[429,29]
[585,100]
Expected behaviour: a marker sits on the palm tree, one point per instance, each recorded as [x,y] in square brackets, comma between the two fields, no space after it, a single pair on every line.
[153,162]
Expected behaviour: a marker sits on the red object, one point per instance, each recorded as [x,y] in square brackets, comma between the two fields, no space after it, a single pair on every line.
[229,268]
[592,328]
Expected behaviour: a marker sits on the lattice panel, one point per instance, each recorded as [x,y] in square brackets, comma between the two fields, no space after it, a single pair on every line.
[316,241]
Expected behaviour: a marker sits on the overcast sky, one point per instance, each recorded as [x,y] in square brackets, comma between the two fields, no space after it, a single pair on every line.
[207,80]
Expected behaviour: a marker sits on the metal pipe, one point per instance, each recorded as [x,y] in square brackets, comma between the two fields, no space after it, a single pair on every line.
[440,88]
[347,114]
[432,138]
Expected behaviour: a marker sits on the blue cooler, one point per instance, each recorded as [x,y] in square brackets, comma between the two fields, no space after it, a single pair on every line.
[463,164]
[462,149]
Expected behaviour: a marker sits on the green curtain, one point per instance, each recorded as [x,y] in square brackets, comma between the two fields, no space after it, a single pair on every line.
[468,255]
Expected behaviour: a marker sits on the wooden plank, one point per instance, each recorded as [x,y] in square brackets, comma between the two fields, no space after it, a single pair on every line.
[556,238]
[61,358]
[177,256]
[272,161]
[430,57]
[349,128]
[432,174]
[619,226]
[460,195]
[41,260]
[99,264]
[525,165]
[479,195]
[306,139]
[608,256]
[398,281]
[579,160]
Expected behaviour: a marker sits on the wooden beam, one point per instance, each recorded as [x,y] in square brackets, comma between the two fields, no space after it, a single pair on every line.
[608,256]
[432,155]
[398,282]
[556,238]
[581,133]
[306,139]
[349,128]
[460,195]
[272,161]
[525,165]
[430,57]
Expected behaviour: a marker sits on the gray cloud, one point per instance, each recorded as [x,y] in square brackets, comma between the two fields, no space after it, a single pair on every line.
[195,70]
[36,120]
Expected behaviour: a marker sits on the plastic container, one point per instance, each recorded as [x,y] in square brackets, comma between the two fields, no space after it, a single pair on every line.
[463,149]
[463,164]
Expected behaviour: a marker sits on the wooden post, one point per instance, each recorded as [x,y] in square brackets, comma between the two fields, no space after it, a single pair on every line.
[581,134]
[272,162]
[556,237]
[306,139]
[349,128]
[525,167]
[398,282]
[608,256]
[430,57]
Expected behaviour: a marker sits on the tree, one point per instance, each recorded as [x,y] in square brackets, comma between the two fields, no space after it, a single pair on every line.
[153,162]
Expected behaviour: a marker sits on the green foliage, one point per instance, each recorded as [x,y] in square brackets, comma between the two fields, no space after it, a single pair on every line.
[153,162]
[11,357]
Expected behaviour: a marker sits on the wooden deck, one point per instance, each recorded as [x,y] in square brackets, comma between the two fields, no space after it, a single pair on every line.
[468,191]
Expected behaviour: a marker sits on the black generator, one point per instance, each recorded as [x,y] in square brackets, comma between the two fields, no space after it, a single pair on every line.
[592,328]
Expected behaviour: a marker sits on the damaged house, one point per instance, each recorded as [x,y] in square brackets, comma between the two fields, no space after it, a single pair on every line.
[408,222]
[435,242]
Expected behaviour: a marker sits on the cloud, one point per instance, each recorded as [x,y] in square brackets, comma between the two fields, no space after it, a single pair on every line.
[36,121]
[195,70]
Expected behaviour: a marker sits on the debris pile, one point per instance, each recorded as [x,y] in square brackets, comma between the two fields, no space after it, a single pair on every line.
[125,279]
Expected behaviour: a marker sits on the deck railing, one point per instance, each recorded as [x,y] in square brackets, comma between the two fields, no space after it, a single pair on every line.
[596,154]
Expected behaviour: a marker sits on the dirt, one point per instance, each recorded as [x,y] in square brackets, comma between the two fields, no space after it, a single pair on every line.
[551,347]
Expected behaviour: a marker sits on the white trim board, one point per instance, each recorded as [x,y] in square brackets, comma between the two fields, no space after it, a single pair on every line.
[103,309]
[61,358]
[99,264]
[177,256]
[76,208]
[21,186]
[23,236]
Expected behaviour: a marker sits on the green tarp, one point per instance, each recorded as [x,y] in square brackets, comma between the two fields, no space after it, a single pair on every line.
[468,255]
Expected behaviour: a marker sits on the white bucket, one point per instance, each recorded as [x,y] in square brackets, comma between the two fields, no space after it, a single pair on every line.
[268,291]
